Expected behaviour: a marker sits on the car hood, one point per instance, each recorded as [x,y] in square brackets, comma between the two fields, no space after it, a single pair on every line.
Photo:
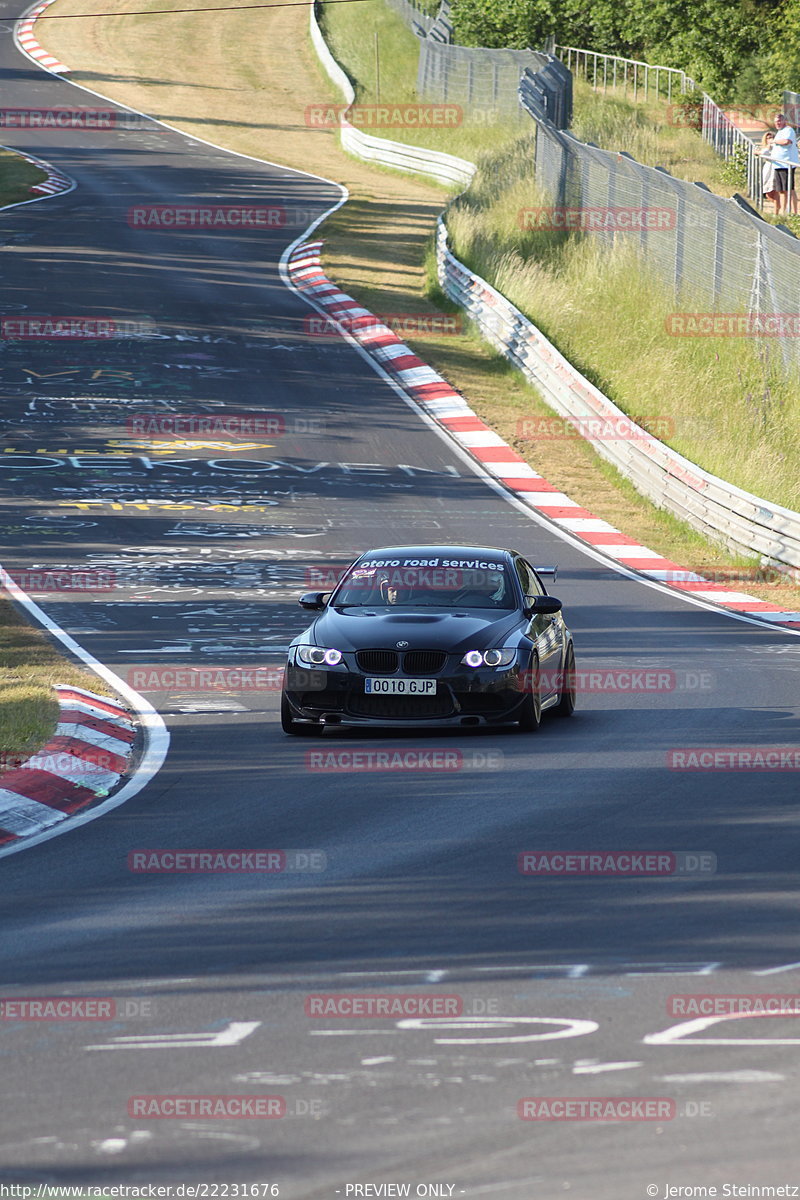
[373,629]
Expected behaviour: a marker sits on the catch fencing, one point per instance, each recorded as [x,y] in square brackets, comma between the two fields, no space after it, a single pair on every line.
[746,523]
[415,17]
[711,251]
[483,81]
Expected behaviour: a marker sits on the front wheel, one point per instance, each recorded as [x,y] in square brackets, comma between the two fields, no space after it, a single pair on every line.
[292,727]
[566,705]
[531,713]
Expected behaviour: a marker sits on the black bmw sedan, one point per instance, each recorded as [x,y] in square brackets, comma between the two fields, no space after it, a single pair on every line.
[431,636]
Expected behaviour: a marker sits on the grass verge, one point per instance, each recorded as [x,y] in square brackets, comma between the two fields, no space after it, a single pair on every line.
[29,666]
[191,70]
[380,54]
[650,130]
[17,177]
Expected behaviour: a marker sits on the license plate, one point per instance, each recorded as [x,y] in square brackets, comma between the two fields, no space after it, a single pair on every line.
[400,687]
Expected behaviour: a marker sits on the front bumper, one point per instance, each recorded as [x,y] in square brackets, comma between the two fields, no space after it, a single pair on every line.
[482,696]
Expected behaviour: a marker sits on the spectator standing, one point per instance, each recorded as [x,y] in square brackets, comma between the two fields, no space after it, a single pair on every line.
[785,159]
[768,189]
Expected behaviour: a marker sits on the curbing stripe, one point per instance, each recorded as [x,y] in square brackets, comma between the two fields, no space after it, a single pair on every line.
[85,721]
[21,816]
[439,400]
[28,43]
[93,737]
[85,759]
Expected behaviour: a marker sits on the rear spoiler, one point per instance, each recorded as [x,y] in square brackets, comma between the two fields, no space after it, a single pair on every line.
[551,571]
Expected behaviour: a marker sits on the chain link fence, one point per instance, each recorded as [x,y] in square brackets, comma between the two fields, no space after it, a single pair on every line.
[713,252]
[415,17]
[484,82]
[710,250]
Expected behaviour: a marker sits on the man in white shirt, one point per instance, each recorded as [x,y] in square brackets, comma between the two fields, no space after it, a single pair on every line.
[786,159]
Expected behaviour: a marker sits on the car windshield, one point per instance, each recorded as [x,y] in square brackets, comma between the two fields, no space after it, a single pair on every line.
[447,583]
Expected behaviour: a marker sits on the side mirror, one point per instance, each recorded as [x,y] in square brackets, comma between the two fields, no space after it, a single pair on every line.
[313,601]
[542,605]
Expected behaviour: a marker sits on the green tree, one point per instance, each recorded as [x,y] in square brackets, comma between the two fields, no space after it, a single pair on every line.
[739,51]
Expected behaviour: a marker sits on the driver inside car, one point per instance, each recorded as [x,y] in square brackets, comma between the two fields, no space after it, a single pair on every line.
[390,592]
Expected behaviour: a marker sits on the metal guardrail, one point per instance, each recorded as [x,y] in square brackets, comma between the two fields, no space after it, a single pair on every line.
[445,168]
[614,66]
[746,523]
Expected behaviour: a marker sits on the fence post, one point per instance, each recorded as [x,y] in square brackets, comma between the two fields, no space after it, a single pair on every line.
[680,230]
[639,172]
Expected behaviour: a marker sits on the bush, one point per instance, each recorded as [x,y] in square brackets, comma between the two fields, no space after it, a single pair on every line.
[688,111]
[733,171]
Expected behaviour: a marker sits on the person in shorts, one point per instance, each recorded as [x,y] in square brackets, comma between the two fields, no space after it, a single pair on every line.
[786,160]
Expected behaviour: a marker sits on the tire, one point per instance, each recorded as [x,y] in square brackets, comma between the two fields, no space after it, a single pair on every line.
[295,728]
[566,705]
[531,713]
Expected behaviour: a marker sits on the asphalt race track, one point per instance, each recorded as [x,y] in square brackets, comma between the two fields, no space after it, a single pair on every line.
[410,882]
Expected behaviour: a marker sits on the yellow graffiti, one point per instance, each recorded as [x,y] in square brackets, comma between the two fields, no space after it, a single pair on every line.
[166,506]
[96,374]
[159,447]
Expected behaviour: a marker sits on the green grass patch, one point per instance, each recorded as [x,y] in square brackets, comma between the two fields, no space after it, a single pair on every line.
[17,177]
[352,33]
[651,131]
[29,666]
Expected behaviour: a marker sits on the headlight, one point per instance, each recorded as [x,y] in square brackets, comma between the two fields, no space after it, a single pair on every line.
[318,656]
[489,658]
